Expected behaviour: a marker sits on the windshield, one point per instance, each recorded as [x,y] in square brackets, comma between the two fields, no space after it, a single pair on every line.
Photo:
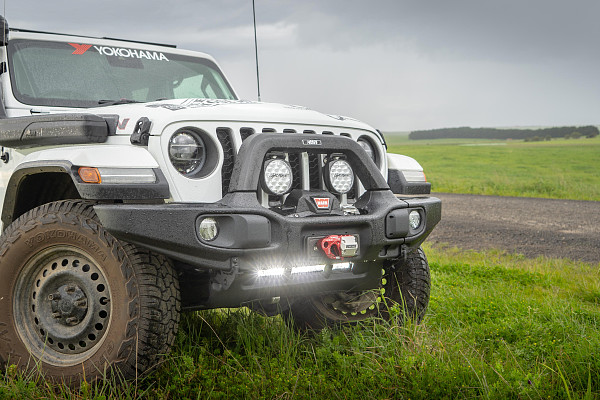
[82,75]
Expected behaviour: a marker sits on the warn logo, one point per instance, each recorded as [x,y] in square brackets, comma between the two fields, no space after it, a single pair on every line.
[322,203]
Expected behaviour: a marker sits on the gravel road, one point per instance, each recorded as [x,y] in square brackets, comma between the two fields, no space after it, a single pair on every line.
[530,226]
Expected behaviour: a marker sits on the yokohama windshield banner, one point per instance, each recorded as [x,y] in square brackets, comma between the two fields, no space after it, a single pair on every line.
[119,52]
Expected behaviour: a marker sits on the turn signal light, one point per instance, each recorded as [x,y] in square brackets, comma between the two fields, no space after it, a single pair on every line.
[89,175]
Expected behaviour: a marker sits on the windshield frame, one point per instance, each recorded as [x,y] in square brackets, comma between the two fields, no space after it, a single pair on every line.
[12,48]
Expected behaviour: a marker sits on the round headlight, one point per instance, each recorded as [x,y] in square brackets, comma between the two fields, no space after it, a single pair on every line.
[187,152]
[368,148]
[208,229]
[277,176]
[339,176]
[414,219]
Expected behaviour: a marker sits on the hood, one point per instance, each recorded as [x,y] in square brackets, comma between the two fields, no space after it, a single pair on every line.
[167,111]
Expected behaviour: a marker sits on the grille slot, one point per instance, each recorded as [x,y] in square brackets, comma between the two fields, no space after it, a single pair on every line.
[245,133]
[294,160]
[225,138]
[314,170]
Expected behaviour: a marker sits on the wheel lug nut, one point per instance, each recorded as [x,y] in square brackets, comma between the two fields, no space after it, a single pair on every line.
[57,315]
[54,296]
[70,288]
[72,321]
[81,303]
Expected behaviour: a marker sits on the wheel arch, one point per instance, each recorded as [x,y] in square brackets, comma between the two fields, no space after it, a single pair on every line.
[35,183]
[31,186]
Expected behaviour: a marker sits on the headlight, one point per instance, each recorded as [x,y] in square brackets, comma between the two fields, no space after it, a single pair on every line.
[277,176]
[369,149]
[187,152]
[339,176]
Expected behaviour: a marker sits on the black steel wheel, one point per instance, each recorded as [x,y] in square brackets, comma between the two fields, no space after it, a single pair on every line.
[404,284]
[77,302]
[62,300]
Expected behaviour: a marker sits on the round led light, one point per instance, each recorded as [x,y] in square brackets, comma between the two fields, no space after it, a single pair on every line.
[277,176]
[414,219]
[368,148]
[187,152]
[339,176]
[208,229]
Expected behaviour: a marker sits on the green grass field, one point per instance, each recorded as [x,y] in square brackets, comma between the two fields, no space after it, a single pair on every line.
[560,169]
[498,326]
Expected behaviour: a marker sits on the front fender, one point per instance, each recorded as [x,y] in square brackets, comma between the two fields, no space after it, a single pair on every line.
[66,162]
[117,156]
[405,176]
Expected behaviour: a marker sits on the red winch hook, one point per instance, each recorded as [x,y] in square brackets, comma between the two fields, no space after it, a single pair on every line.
[332,246]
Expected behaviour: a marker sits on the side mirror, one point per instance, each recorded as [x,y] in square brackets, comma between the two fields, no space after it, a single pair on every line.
[3,31]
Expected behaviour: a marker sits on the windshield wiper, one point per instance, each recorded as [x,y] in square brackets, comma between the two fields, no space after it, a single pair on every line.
[115,102]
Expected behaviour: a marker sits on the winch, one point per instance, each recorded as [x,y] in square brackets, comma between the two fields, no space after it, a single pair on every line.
[338,247]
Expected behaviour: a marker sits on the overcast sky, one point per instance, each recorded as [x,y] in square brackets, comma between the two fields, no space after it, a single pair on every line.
[397,65]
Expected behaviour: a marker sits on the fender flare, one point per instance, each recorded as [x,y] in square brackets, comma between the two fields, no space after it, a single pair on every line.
[398,163]
[141,191]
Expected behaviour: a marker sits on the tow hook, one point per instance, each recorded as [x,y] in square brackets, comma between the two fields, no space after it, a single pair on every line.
[336,247]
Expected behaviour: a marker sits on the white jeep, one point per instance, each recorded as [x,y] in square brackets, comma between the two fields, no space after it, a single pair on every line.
[134,185]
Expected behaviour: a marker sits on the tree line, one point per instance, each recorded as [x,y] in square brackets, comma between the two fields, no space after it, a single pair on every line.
[511,133]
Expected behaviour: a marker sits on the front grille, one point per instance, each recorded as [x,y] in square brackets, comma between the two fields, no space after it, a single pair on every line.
[306,167]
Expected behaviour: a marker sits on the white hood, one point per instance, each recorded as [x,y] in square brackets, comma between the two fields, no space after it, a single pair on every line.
[161,113]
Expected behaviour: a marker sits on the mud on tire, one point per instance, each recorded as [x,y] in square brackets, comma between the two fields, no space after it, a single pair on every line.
[76,302]
[405,284]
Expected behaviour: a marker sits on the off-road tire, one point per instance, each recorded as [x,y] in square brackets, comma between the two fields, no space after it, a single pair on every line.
[404,293]
[77,303]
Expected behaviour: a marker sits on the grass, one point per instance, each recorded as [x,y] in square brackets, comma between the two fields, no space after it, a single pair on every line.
[498,326]
[560,169]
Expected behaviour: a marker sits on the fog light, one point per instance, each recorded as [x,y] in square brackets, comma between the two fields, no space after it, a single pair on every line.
[277,177]
[208,229]
[414,219]
[339,176]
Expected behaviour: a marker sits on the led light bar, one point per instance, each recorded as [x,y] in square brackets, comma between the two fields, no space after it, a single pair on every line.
[270,272]
[303,269]
[308,269]
[342,267]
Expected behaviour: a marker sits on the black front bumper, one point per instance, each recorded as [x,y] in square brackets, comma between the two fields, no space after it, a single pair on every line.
[265,236]
[253,238]
[171,229]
